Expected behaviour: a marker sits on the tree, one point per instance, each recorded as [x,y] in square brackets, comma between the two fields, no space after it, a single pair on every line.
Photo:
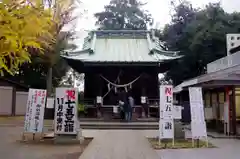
[63,15]
[17,36]
[124,15]
[36,73]
[199,35]
[72,78]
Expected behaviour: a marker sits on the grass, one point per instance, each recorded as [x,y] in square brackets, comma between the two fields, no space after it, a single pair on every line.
[178,144]
[18,120]
[11,118]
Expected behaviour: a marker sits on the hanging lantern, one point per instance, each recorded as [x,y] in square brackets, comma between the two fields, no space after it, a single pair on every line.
[115,88]
[130,86]
[109,86]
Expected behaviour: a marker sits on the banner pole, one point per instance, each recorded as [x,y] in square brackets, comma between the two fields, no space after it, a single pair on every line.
[159,141]
[23,136]
[173,140]
[206,141]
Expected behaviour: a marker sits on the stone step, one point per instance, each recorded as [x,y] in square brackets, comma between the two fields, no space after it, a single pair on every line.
[115,127]
[117,120]
[120,125]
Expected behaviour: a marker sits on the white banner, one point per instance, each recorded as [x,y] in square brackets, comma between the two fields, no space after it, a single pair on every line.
[177,112]
[115,109]
[195,95]
[66,101]
[198,124]
[166,124]
[35,111]
[50,103]
[166,129]
[99,100]
[196,104]
[198,130]
[143,100]
[166,102]
[197,113]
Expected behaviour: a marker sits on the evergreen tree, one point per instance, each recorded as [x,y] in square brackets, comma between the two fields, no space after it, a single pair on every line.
[124,15]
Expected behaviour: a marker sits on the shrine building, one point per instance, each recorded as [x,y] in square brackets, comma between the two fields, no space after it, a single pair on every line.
[221,93]
[115,60]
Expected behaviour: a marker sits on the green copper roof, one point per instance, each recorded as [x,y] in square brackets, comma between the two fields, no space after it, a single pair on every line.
[122,46]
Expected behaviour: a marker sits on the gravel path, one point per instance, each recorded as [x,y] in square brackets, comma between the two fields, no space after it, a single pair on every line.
[119,144]
[11,148]
[124,143]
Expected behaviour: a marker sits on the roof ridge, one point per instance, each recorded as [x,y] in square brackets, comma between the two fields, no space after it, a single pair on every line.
[125,31]
[14,82]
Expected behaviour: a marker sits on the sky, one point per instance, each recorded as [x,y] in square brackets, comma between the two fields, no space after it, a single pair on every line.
[160,10]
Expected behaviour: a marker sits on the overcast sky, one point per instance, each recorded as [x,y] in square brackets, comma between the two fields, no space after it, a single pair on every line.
[160,10]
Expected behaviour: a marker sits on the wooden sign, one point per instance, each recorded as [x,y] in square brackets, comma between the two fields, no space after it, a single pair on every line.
[66,111]
[35,111]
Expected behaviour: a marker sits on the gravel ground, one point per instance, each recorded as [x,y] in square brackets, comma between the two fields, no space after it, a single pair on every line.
[12,148]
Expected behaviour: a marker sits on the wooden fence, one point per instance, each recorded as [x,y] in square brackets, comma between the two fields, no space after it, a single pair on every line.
[12,102]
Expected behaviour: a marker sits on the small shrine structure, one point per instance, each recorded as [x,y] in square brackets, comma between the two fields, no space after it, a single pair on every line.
[114,60]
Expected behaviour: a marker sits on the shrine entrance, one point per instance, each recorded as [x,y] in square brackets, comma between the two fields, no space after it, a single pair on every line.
[121,60]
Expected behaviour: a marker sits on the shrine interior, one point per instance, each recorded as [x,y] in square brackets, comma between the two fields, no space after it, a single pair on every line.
[144,83]
[96,74]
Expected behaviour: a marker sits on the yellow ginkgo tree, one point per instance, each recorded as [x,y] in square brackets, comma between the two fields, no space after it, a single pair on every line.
[24,25]
[63,17]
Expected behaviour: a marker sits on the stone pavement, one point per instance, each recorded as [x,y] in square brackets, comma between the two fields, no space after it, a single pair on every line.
[226,148]
[109,144]
[118,144]
[113,144]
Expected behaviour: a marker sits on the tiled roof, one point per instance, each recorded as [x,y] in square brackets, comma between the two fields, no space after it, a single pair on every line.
[121,46]
[229,74]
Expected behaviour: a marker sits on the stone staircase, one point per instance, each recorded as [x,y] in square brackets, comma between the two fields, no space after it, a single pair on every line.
[119,125]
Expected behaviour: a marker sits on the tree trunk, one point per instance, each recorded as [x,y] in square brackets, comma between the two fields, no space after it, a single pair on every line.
[49,82]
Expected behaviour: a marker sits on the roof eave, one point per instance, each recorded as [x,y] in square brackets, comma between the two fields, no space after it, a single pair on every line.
[121,31]
[167,53]
[76,53]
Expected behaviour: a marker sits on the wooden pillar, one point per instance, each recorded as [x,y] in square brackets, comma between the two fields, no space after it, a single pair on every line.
[217,122]
[145,111]
[98,81]
[230,100]
[99,95]
[13,101]
[233,111]
[217,110]
[227,101]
